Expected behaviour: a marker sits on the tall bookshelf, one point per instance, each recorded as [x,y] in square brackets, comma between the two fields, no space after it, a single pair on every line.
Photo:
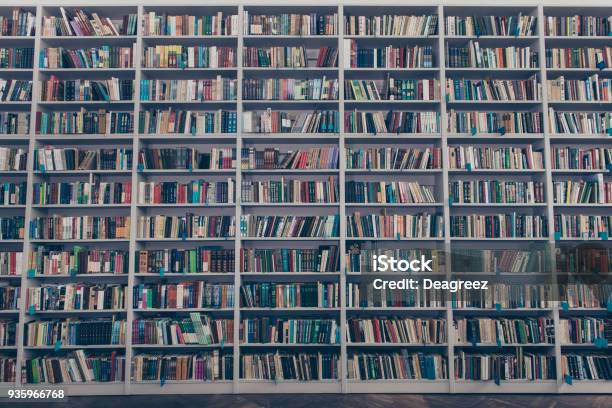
[438,178]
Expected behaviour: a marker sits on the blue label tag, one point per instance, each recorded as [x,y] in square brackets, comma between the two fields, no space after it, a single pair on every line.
[31,273]
[73,271]
[447,97]
[603,235]
[502,130]
[140,167]
[499,343]
[58,345]
[601,65]
[565,306]
[498,307]
[609,306]
[473,131]
[568,379]
[222,343]
[468,166]
[162,381]
[451,200]
[42,168]
[190,167]
[397,236]
[557,236]
[609,131]
[497,381]
[162,271]
[609,167]
[31,310]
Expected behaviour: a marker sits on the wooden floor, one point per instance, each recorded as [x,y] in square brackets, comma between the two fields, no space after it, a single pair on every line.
[332,401]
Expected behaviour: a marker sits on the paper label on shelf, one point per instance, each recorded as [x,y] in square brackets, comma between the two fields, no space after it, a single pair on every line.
[31,310]
[568,379]
[565,306]
[31,273]
[57,346]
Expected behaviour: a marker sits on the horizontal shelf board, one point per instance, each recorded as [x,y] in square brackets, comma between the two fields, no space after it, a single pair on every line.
[180,346]
[285,345]
[290,238]
[390,345]
[189,136]
[11,206]
[84,241]
[370,69]
[79,103]
[185,310]
[454,204]
[62,312]
[391,102]
[80,172]
[477,69]
[578,171]
[82,276]
[152,70]
[492,103]
[185,275]
[393,171]
[522,310]
[587,205]
[418,205]
[188,205]
[43,206]
[379,309]
[186,171]
[290,204]
[487,345]
[77,347]
[286,69]
[297,275]
[496,171]
[88,137]
[178,239]
[289,102]
[291,171]
[296,309]
[81,70]
[9,311]
[392,239]
[498,239]
[89,37]
[191,103]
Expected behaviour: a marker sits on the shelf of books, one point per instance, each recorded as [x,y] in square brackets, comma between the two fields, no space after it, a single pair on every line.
[192,196]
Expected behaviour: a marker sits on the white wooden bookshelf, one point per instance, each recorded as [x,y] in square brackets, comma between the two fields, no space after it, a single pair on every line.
[438,177]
